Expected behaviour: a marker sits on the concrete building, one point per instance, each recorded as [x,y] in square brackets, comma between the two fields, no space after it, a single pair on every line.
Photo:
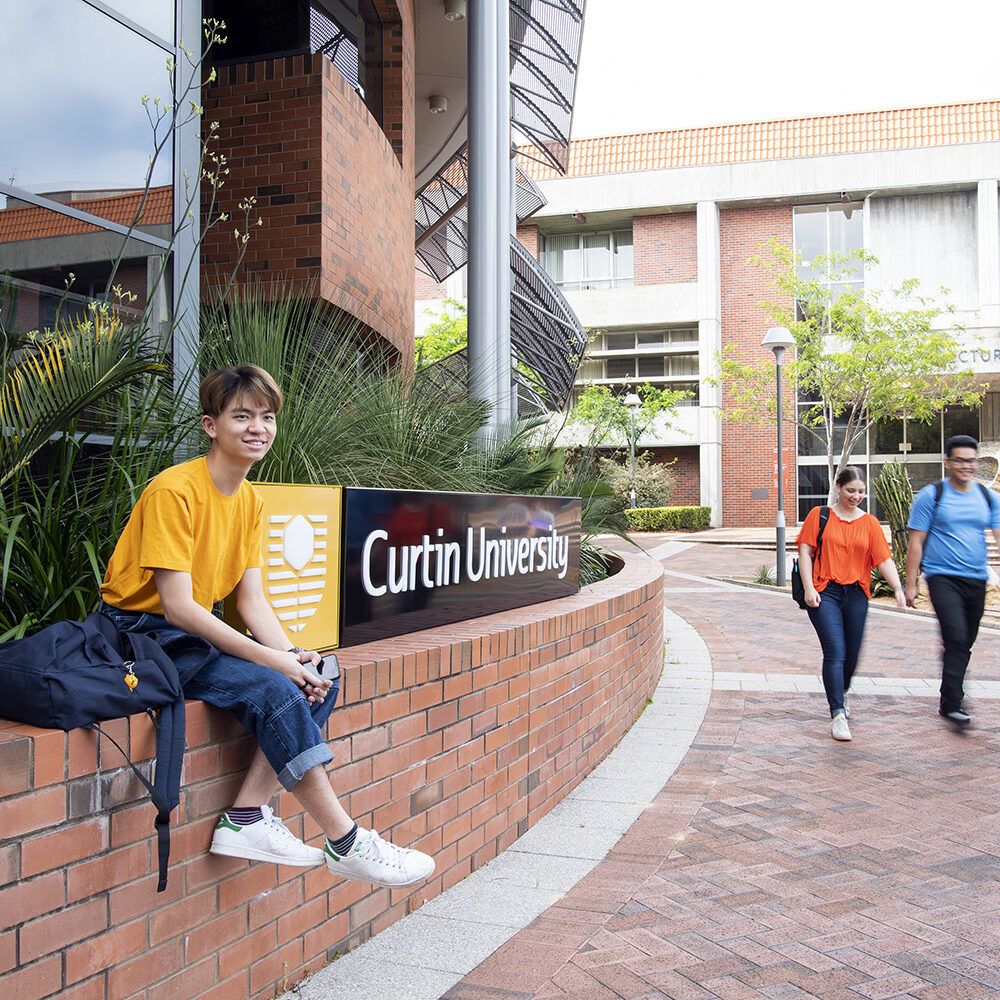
[649,237]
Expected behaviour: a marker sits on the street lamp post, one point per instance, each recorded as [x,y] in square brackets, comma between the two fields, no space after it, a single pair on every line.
[778,339]
[632,402]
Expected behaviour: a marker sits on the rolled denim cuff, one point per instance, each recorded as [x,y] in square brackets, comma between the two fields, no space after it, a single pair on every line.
[294,770]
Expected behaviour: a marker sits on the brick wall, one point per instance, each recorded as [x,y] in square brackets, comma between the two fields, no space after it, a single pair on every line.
[665,248]
[427,287]
[530,239]
[454,740]
[334,191]
[686,466]
[749,452]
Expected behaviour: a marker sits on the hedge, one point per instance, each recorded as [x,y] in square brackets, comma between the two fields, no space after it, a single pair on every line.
[668,518]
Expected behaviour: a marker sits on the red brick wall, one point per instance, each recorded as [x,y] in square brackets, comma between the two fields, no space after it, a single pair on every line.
[455,740]
[529,238]
[334,191]
[749,452]
[686,467]
[665,248]
[427,287]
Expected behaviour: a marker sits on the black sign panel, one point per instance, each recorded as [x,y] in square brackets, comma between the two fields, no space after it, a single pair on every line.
[413,560]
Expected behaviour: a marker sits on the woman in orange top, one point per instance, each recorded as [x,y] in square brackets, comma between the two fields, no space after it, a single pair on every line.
[838,585]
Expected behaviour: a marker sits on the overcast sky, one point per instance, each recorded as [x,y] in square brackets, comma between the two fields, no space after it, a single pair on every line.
[661,64]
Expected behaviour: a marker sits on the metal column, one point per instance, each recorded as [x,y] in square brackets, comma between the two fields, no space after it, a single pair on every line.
[484,182]
[504,189]
[186,273]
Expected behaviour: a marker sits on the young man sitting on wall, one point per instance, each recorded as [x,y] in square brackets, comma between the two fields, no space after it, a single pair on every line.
[193,538]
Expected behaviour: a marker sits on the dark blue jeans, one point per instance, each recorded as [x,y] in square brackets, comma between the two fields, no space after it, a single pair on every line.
[288,729]
[840,624]
[958,603]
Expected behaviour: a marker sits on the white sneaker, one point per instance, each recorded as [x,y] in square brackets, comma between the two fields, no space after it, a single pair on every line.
[847,708]
[267,840]
[839,729]
[375,860]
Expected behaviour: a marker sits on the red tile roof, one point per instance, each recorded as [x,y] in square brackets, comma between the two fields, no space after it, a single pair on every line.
[34,223]
[829,135]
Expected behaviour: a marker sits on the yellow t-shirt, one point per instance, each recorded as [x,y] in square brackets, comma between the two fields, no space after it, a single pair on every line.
[183,522]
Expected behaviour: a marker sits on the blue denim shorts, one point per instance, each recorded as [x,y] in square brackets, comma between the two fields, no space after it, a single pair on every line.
[268,704]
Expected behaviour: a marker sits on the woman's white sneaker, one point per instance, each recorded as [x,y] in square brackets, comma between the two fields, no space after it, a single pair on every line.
[266,840]
[375,860]
[839,728]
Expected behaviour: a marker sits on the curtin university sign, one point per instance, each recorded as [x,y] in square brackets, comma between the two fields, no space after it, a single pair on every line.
[412,560]
[345,565]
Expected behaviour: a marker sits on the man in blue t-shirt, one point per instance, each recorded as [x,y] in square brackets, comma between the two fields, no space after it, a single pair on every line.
[947,540]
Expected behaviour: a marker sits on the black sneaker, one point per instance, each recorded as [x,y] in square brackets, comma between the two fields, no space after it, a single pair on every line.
[957,717]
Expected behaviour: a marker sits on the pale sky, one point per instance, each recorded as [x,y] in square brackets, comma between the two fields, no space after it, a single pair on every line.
[661,64]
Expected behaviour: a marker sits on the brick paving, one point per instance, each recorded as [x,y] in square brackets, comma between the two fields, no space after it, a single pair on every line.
[777,863]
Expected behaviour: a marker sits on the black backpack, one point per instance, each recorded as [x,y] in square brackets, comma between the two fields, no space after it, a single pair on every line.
[77,674]
[798,587]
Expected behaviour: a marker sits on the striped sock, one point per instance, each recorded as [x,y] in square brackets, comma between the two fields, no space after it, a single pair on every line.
[244,817]
[343,846]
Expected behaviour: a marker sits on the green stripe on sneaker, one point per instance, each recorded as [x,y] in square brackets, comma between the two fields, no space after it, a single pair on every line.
[225,823]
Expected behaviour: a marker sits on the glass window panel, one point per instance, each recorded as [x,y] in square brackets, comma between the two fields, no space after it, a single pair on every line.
[596,257]
[623,262]
[156,16]
[45,280]
[887,437]
[810,236]
[847,235]
[924,439]
[620,367]
[563,259]
[650,338]
[652,367]
[72,121]
[922,473]
[619,341]
[683,336]
[813,480]
[806,504]
[684,364]
[961,420]
[590,370]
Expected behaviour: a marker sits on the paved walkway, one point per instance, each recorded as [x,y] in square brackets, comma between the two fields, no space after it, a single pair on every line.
[734,850]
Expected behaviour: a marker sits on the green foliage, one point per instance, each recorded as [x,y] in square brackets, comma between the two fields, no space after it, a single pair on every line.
[655,482]
[610,422]
[866,355]
[895,497]
[764,574]
[447,334]
[668,518]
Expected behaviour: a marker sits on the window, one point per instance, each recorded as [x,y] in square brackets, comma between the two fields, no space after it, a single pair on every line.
[822,230]
[589,260]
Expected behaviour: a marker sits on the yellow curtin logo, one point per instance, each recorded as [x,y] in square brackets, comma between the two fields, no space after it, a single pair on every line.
[301,571]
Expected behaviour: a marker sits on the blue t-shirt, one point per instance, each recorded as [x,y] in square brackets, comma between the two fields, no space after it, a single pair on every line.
[955,545]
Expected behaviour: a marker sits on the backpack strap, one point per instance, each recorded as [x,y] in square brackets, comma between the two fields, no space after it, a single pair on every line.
[987,495]
[938,493]
[824,516]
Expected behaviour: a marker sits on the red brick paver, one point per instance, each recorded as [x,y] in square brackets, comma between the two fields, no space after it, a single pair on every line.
[777,863]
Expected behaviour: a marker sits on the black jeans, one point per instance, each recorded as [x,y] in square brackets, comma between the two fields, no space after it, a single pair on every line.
[840,624]
[958,603]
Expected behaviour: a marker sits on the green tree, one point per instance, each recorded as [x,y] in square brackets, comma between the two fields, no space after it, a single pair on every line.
[447,334]
[609,420]
[862,356]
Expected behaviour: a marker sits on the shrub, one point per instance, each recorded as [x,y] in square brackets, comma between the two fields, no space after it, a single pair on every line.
[668,518]
[654,482]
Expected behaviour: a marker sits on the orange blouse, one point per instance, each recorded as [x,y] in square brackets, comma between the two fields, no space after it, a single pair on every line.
[850,550]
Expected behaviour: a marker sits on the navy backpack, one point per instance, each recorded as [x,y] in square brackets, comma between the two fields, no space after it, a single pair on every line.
[78,674]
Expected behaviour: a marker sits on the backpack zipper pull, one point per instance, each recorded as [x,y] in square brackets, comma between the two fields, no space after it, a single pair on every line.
[131,681]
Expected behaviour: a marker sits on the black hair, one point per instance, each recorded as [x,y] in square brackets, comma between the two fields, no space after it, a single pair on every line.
[960,441]
[848,474]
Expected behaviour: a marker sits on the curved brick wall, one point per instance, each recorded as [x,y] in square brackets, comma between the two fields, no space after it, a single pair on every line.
[334,191]
[454,740]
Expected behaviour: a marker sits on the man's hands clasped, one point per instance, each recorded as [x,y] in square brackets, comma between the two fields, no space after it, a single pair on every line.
[296,666]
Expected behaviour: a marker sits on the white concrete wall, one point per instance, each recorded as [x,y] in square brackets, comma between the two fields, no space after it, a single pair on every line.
[644,305]
[931,237]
